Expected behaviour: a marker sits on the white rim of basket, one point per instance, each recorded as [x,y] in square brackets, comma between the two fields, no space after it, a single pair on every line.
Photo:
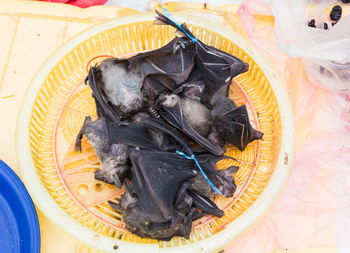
[54,212]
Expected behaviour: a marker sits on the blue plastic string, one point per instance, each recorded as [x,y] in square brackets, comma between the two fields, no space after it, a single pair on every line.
[170,16]
[192,157]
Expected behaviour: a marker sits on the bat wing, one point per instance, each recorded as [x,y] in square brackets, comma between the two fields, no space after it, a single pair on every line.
[175,63]
[205,204]
[161,125]
[130,134]
[217,67]
[103,109]
[164,68]
[156,197]
[234,128]
[193,89]
[175,117]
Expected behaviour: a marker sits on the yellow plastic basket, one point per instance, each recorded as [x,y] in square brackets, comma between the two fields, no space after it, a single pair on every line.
[61,181]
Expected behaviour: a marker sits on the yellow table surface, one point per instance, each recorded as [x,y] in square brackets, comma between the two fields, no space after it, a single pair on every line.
[30,31]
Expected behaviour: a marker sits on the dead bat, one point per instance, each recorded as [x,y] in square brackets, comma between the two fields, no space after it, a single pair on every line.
[233,127]
[158,137]
[172,112]
[154,208]
[112,156]
[161,209]
[184,61]
[111,142]
[128,199]
[200,185]
[225,182]
[220,105]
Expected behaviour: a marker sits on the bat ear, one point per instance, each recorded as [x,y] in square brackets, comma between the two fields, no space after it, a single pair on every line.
[205,204]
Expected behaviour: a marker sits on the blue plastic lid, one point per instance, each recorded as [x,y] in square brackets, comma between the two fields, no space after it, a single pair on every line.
[19,226]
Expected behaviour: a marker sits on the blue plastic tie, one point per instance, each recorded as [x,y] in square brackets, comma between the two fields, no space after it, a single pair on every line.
[170,16]
[192,157]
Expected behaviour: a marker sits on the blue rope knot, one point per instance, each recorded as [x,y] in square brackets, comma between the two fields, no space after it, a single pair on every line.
[192,157]
[170,16]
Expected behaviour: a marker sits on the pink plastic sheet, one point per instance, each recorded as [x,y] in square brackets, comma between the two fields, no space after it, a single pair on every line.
[313,209]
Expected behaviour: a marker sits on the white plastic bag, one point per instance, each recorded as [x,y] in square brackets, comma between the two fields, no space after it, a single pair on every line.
[325,53]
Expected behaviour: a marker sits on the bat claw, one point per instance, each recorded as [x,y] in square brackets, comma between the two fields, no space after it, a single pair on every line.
[117,182]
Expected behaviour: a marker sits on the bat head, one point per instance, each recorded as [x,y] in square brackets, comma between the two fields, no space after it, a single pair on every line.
[169,100]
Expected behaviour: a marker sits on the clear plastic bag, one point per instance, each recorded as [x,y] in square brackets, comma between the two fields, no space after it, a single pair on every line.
[325,53]
[313,208]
